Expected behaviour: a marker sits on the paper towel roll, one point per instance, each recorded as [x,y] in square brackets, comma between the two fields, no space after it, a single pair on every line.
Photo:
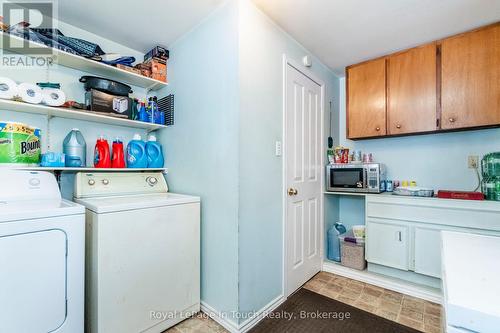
[30,93]
[8,88]
[53,97]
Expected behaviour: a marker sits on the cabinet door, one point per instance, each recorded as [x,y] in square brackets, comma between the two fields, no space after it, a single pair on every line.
[411,89]
[366,100]
[471,79]
[387,244]
[428,251]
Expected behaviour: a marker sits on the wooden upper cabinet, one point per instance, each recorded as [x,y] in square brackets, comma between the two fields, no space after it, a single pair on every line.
[366,100]
[411,91]
[470,91]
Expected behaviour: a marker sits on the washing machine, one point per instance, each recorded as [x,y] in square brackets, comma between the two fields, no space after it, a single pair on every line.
[143,252]
[41,256]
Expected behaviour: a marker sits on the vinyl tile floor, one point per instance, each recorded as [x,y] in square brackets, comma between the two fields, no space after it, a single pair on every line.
[407,310]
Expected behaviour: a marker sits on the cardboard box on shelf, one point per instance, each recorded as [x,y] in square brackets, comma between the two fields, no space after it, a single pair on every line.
[144,68]
[159,52]
[129,69]
[158,69]
[99,101]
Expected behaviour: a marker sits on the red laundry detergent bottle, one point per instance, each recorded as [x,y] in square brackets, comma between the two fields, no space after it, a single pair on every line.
[118,158]
[101,153]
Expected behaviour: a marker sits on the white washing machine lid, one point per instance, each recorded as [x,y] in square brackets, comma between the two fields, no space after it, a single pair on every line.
[30,209]
[133,202]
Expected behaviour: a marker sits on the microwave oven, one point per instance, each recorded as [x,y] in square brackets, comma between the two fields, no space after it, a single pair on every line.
[355,177]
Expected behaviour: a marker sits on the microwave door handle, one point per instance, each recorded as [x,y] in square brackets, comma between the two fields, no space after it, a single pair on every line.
[365,178]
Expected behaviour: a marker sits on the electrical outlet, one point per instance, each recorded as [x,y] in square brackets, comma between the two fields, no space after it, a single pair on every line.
[473,161]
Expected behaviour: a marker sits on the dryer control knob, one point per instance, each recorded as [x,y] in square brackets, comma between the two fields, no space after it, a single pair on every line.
[105,181]
[152,181]
[91,182]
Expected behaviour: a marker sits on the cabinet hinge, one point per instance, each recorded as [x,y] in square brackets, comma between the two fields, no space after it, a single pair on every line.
[437,123]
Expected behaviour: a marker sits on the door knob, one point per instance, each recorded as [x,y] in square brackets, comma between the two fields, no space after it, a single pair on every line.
[292,191]
[452,120]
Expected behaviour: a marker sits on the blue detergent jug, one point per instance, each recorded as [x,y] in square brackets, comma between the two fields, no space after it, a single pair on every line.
[154,152]
[136,153]
[334,242]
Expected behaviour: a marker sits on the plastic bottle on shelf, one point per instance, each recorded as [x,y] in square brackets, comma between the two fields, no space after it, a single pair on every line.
[143,114]
[118,159]
[101,153]
[154,153]
[136,153]
[75,149]
[333,241]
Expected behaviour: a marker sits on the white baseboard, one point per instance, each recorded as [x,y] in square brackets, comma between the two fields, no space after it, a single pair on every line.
[248,323]
[219,318]
[259,315]
[415,290]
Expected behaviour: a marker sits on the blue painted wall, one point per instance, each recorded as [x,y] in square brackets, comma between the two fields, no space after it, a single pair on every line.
[202,147]
[262,45]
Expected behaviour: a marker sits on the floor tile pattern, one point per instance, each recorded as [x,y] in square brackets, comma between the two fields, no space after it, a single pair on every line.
[407,310]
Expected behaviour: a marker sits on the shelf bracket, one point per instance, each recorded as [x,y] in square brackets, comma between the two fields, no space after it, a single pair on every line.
[57,174]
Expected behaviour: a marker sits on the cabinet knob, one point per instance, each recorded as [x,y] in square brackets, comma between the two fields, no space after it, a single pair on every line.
[452,120]
[377,128]
[398,125]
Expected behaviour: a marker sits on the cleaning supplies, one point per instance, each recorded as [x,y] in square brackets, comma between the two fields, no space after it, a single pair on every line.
[118,160]
[53,160]
[101,153]
[154,153]
[334,242]
[20,144]
[75,149]
[136,153]
[143,114]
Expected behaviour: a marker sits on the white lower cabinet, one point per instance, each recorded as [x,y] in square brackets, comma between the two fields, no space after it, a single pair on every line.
[404,233]
[427,251]
[387,244]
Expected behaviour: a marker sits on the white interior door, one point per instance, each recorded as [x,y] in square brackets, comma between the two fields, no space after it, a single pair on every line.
[303,123]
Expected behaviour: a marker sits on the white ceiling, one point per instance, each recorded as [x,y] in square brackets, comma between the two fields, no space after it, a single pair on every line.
[344,32]
[138,24]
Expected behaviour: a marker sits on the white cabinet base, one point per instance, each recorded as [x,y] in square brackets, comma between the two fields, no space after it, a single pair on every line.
[405,275]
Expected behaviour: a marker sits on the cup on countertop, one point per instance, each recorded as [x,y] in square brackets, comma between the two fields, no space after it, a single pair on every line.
[368,158]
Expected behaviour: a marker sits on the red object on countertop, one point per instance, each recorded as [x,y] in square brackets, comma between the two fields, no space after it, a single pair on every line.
[101,154]
[118,158]
[460,195]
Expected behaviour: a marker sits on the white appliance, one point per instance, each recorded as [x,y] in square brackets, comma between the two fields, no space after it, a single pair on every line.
[143,252]
[41,256]
[471,276]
